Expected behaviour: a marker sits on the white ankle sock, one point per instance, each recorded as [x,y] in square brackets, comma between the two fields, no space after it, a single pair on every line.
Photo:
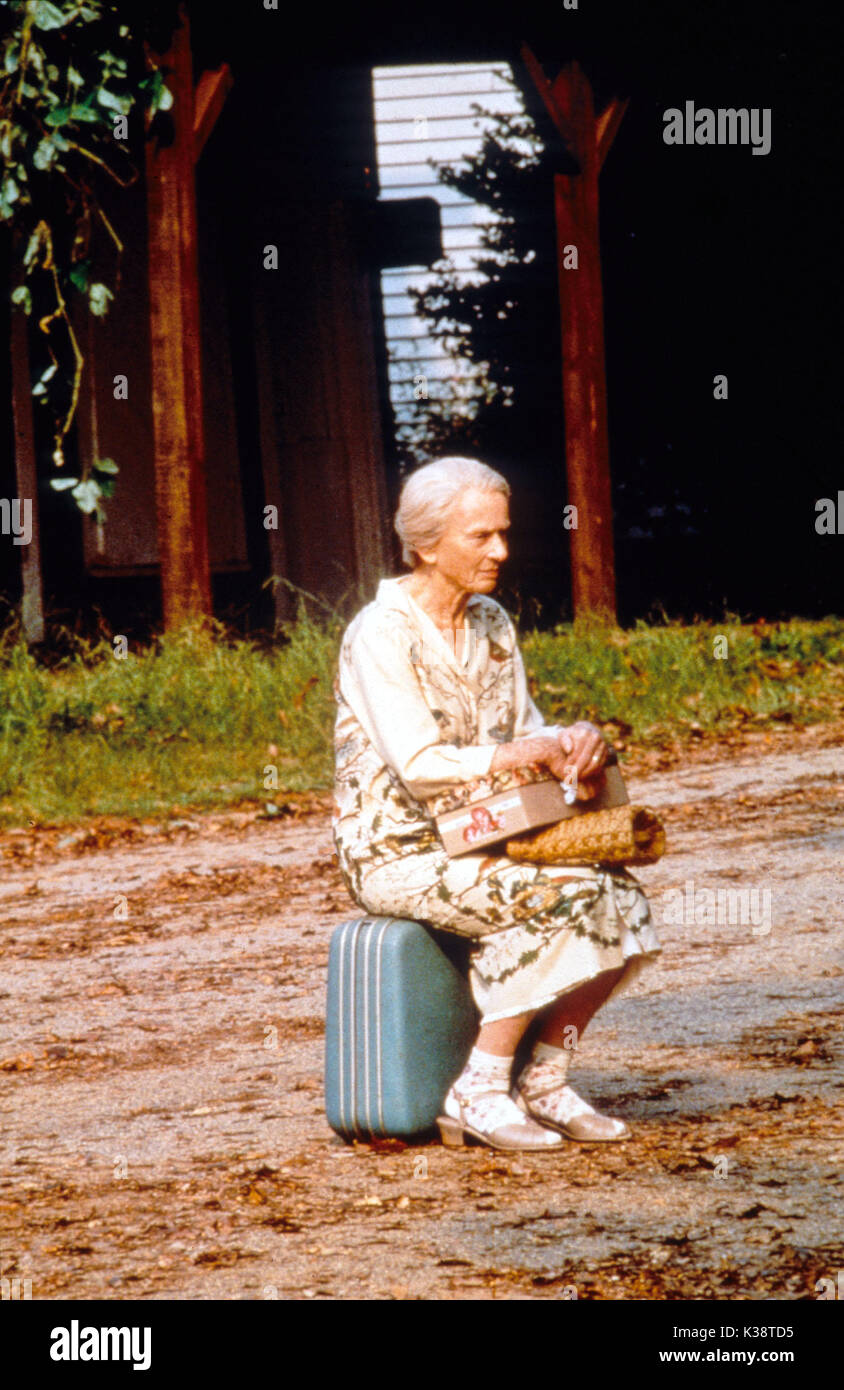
[484,1072]
[480,1096]
[543,1083]
[548,1067]
[560,1057]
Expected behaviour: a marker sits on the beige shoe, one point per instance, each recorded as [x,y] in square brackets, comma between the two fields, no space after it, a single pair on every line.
[492,1118]
[581,1122]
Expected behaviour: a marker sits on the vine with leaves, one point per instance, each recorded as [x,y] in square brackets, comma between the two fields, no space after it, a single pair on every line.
[73,76]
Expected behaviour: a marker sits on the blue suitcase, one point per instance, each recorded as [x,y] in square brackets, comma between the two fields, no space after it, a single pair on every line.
[400,1024]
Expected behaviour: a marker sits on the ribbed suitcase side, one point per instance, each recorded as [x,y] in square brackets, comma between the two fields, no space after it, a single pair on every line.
[399,1023]
[335,1070]
[340,1049]
[353,1029]
[368,1119]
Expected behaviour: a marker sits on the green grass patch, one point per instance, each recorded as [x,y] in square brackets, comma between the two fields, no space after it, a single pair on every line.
[194,719]
[658,681]
[199,718]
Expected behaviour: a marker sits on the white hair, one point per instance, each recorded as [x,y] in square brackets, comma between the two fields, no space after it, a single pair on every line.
[429,494]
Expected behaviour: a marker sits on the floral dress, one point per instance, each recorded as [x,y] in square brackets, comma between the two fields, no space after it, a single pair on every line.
[417,723]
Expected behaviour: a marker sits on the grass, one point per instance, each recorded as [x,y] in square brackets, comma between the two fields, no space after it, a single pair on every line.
[200,719]
[194,719]
[660,681]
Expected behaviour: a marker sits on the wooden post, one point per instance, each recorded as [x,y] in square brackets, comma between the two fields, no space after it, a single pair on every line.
[270,445]
[32,600]
[571,107]
[211,91]
[175,344]
[584,372]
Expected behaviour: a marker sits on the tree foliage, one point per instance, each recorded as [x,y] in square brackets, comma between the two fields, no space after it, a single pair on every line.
[506,325]
[76,79]
[504,321]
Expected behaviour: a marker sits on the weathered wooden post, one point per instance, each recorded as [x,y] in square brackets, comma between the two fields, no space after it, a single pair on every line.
[26,479]
[570,105]
[180,492]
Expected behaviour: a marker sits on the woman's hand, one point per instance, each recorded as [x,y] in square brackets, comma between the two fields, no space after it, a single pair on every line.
[576,756]
[587,753]
[586,748]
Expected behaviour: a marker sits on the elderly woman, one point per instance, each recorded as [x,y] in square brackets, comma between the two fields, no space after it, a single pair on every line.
[432,696]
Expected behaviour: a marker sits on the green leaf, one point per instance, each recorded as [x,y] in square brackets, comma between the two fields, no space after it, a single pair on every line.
[79,276]
[75,78]
[40,387]
[45,153]
[32,246]
[10,56]
[60,115]
[98,297]
[84,113]
[9,191]
[106,466]
[107,487]
[62,484]
[113,102]
[87,495]
[47,16]
[22,296]
[160,97]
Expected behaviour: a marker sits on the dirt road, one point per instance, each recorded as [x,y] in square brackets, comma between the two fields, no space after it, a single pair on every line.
[161,1034]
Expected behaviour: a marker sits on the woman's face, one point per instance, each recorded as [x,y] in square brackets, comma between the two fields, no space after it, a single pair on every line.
[474,544]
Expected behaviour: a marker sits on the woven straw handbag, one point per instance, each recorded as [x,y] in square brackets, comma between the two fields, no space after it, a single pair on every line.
[614,836]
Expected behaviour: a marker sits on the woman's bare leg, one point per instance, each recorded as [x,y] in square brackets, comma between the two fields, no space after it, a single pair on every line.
[571,1010]
[488,1068]
[480,1100]
[576,1008]
[543,1084]
[503,1037]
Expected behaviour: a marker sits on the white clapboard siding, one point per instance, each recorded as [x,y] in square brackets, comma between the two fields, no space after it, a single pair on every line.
[424,117]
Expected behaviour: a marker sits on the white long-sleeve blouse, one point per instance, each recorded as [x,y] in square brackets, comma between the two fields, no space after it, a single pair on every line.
[415,720]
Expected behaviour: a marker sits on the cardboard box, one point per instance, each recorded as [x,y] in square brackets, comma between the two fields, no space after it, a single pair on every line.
[485,822]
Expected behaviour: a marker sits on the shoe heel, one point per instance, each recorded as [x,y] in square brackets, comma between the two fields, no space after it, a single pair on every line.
[451,1132]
